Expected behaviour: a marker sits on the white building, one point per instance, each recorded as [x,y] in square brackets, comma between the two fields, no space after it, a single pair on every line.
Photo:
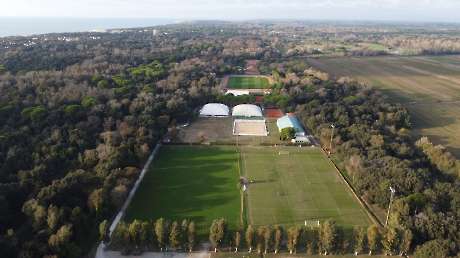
[237,92]
[247,110]
[214,110]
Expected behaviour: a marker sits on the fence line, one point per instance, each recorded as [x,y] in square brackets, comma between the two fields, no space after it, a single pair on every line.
[363,204]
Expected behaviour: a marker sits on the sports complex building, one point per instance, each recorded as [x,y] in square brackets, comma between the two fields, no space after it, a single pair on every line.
[214,110]
[291,121]
[248,119]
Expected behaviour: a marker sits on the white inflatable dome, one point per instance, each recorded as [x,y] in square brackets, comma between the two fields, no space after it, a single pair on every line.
[247,110]
[214,109]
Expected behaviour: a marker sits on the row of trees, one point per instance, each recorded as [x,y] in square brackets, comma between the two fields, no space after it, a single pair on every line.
[327,238]
[439,156]
[144,235]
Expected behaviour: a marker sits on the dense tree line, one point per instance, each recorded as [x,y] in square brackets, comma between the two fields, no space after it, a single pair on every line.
[231,41]
[72,142]
[373,144]
[439,156]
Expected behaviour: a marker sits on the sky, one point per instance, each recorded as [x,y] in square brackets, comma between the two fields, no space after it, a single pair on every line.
[386,10]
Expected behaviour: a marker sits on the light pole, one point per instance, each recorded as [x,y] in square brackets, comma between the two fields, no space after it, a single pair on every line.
[332,137]
[392,193]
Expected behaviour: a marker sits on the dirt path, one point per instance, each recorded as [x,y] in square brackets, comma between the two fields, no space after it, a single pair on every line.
[111,254]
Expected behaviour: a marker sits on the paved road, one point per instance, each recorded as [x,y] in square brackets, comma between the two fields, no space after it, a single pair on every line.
[111,254]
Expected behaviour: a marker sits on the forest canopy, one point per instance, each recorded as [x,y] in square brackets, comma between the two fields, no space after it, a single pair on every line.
[79,117]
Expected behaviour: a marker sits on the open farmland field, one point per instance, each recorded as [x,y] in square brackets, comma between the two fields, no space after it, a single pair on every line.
[428,86]
[298,185]
[185,182]
[248,82]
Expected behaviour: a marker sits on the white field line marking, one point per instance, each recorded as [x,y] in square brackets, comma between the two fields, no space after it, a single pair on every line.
[243,159]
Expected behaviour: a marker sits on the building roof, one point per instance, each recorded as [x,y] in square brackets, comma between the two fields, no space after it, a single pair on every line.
[214,109]
[303,139]
[290,120]
[247,110]
[237,92]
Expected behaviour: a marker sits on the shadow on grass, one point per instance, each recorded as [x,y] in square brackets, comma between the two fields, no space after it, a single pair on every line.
[196,183]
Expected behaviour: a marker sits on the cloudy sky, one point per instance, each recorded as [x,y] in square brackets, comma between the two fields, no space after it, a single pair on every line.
[401,10]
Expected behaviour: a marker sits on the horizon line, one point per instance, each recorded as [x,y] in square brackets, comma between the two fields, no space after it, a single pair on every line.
[197,19]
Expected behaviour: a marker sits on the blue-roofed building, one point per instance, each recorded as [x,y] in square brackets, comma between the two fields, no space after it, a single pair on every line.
[290,120]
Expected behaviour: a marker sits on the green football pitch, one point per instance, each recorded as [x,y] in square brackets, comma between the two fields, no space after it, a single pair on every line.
[248,82]
[292,184]
[289,185]
[196,183]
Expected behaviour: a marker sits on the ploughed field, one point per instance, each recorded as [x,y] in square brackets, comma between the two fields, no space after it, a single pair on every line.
[428,86]
[190,182]
[248,82]
[292,184]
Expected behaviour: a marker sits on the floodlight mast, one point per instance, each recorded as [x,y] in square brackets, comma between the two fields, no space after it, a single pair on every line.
[392,193]
[332,137]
